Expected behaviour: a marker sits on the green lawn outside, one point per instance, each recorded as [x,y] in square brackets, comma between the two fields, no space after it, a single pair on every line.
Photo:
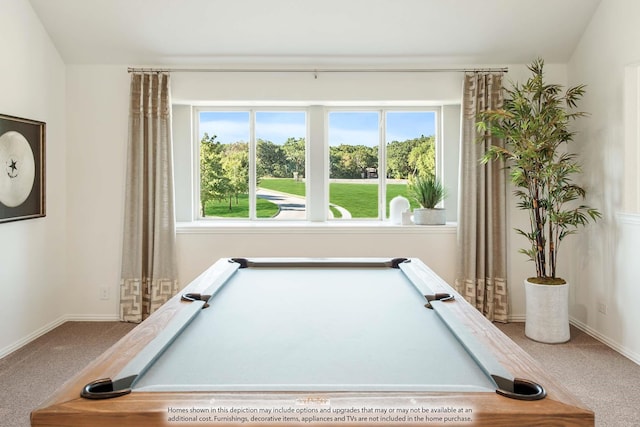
[264,209]
[284,185]
[359,199]
[336,212]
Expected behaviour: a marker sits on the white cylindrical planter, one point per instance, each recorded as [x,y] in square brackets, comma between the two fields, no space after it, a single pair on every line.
[547,317]
[424,216]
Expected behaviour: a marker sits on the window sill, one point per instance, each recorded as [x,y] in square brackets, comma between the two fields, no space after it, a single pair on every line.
[306,227]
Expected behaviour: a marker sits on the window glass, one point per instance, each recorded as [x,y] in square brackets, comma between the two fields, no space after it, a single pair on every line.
[354,139]
[280,164]
[410,150]
[224,164]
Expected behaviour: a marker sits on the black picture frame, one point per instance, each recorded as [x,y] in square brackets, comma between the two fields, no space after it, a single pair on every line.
[22,168]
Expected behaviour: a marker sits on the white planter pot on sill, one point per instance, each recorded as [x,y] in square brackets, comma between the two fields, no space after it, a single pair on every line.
[424,216]
[547,317]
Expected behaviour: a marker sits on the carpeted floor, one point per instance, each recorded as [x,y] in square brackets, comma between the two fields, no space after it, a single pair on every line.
[32,373]
[604,380]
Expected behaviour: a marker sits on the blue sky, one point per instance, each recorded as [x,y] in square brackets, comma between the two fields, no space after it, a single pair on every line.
[344,127]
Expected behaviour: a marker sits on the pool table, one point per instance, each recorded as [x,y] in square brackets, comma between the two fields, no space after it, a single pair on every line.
[314,341]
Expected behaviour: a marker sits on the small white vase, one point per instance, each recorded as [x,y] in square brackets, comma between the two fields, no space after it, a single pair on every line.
[424,216]
[397,206]
[547,317]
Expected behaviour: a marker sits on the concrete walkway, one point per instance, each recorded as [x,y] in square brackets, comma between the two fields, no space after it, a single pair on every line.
[292,207]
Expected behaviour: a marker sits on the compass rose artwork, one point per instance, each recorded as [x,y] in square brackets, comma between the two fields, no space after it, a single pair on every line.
[21,168]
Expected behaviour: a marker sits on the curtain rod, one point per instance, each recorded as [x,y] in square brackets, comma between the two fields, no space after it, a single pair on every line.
[317,70]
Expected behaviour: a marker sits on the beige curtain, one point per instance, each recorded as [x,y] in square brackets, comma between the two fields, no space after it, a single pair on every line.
[482,228]
[149,275]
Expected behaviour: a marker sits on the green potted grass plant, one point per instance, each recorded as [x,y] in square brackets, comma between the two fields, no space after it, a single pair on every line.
[428,191]
[534,125]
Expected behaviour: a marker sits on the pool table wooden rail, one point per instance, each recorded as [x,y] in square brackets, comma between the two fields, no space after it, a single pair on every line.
[67,408]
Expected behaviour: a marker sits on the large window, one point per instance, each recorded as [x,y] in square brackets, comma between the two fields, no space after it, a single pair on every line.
[252,164]
[257,164]
[372,156]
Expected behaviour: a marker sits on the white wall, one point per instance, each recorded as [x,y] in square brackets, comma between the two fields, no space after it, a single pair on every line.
[304,87]
[33,252]
[198,250]
[98,105]
[605,267]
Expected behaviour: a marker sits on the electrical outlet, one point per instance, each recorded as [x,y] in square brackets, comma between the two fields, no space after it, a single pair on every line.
[104,292]
[602,308]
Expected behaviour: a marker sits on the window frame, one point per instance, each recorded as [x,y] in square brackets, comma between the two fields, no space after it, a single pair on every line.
[382,111]
[317,176]
[252,110]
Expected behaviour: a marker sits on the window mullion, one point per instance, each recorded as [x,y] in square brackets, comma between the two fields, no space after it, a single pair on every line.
[317,165]
[197,202]
[252,165]
[382,166]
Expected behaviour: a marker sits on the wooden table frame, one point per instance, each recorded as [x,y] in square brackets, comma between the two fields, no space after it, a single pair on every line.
[67,408]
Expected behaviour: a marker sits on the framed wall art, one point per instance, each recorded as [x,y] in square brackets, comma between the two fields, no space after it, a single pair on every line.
[22,168]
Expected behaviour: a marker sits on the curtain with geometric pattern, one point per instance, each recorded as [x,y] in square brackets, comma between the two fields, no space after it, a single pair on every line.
[149,273]
[482,226]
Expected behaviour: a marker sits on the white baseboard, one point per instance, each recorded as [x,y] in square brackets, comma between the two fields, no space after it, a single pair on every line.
[51,326]
[634,357]
[517,319]
[628,218]
[92,318]
[36,334]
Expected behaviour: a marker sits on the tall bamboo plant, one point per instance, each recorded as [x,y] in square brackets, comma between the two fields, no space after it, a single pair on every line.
[534,126]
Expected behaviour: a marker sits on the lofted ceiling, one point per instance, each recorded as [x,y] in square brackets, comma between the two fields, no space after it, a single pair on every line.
[170,32]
